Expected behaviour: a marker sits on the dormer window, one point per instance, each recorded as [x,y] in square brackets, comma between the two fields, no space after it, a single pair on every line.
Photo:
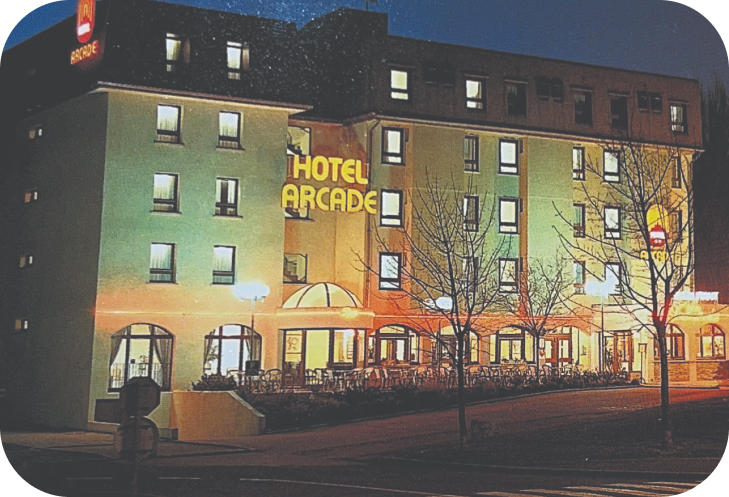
[178,52]
[399,84]
[239,58]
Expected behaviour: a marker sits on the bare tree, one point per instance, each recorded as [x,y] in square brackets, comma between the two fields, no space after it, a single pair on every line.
[640,230]
[450,271]
[543,291]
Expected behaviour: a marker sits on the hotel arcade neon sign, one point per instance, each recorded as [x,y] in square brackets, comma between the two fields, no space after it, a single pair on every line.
[85,22]
[321,168]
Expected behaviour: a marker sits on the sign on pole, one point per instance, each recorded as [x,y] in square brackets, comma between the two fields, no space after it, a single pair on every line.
[139,397]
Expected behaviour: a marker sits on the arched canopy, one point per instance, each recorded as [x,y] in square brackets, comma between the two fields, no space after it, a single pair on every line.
[322,295]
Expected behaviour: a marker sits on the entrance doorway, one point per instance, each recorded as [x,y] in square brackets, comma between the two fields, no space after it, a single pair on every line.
[558,349]
[618,347]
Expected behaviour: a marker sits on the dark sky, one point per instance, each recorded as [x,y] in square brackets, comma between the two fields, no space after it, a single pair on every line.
[647,35]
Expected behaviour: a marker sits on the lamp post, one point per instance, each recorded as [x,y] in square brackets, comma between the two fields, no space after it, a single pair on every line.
[600,289]
[251,292]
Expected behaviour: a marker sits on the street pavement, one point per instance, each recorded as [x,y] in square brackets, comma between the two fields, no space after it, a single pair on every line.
[372,457]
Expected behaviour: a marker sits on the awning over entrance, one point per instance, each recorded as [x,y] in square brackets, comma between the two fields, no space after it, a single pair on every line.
[323,305]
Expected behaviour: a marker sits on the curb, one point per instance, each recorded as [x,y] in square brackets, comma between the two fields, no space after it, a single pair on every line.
[489,468]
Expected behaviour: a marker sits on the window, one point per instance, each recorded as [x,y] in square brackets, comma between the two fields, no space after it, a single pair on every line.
[232,347]
[612,222]
[676,227]
[613,277]
[643,100]
[611,166]
[676,172]
[168,123]
[229,130]
[239,57]
[165,193]
[31,195]
[392,146]
[298,141]
[223,265]
[514,344]
[649,101]
[470,213]
[656,102]
[296,213]
[399,84]
[675,340]
[678,118]
[583,107]
[475,94]
[579,220]
[469,275]
[393,344]
[390,265]
[22,324]
[557,89]
[35,132]
[711,344]
[25,261]
[542,88]
[508,275]
[391,208]
[470,154]
[508,215]
[162,263]
[578,274]
[578,163]
[294,269]
[439,73]
[178,52]
[226,197]
[516,99]
[619,111]
[509,156]
[141,350]
[549,87]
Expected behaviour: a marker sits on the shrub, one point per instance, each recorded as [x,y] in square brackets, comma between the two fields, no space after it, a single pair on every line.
[215,383]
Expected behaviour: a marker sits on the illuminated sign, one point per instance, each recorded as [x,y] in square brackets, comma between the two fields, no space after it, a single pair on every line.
[334,169]
[657,236]
[85,19]
[85,52]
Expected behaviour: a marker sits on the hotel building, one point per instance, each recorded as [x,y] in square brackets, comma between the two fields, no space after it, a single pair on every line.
[144,183]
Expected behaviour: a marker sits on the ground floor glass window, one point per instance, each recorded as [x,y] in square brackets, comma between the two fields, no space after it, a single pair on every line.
[140,350]
[232,347]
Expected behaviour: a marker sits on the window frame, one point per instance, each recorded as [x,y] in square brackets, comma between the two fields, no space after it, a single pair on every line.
[174,65]
[35,132]
[167,136]
[244,58]
[676,171]
[303,281]
[676,127]
[174,202]
[508,286]
[505,226]
[30,195]
[579,286]
[619,116]
[505,167]
[395,217]
[619,286]
[715,331]
[578,228]
[610,176]
[226,209]
[22,324]
[514,104]
[171,271]
[230,142]
[384,283]
[583,110]
[386,156]
[126,337]
[226,277]
[673,339]
[579,173]
[610,233]
[407,91]
[471,225]
[479,104]
[26,260]
[246,334]
[471,164]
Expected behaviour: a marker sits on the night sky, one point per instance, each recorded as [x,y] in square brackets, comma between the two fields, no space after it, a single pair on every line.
[646,35]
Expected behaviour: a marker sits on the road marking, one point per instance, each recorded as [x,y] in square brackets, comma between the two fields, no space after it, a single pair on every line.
[90,478]
[566,493]
[672,488]
[676,484]
[271,480]
[626,492]
[177,478]
[505,494]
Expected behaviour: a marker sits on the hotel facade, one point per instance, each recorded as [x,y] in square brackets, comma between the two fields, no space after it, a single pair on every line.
[177,155]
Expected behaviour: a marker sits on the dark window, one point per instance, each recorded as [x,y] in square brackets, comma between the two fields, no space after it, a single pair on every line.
[141,350]
[656,102]
[612,164]
[557,89]
[223,265]
[390,269]
[578,273]
[229,130]
[162,263]
[230,349]
[619,112]
[542,88]
[392,146]
[678,118]
[579,220]
[508,275]
[226,197]
[578,163]
[295,267]
[509,156]
[643,100]
[165,193]
[400,84]
[508,215]
[612,222]
[470,213]
[168,123]
[391,208]
[516,99]
[583,107]
[470,154]
[239,56]
[676,172]
[676,228]
[439,73]
[475,94]
[30,195]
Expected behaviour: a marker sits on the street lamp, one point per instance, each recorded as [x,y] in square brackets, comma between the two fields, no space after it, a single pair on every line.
[601,289]
[251,292]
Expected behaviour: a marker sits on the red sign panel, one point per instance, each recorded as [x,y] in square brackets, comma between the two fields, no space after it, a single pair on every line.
[85,19]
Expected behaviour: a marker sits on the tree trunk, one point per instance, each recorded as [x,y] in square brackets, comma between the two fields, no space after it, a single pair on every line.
[462,432]
[665,400]
[536,357]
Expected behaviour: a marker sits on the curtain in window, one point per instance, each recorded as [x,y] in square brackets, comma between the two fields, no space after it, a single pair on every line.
[164,186]
[116,342]
[168,118]
[163,349]
[174,48]
[676,114]
[211,354]
[229,125]
[223,259]
[161,256]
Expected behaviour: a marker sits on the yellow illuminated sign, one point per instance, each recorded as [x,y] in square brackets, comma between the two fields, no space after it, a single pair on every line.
[85,52]
[334,169]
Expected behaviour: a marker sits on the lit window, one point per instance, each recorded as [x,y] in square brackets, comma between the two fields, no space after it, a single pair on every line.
[508,215]
[611,166]
[165,193]
[391,208]
[475,95]
[578,274]
[26,260]
[675,343]
[712,342]
[508,275]
[178,52]
[226,197]
[579,220]
[390,271]
[399,84]
[162,263]
[223,265]
[298,141]
[612,222]
[578,163]
[35,132]
[676,172]
[619,112]
[239,56]
[516,99]
[392,146]
[470,213]
[141,350]
[296,213]
[232,348]
[229,130]
[678,118]
[168,123]
[613,277]
[22,324]
[470,154]
[294,269]
[583,107]
[30,195]
[508,156]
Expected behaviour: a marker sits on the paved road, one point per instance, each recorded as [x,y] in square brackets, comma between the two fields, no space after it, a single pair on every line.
[337,461]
